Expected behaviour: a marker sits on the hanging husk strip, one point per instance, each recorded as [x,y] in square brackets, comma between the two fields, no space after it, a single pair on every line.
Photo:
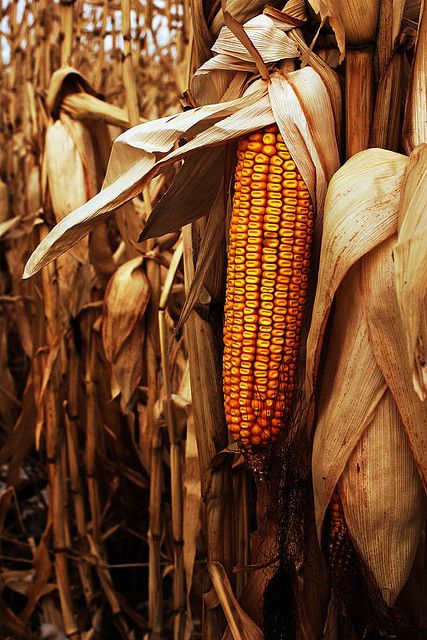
[415,118]
[410,266]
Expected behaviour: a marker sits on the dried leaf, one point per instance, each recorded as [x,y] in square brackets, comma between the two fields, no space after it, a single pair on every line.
[415,118]
[241,625]
[191,194]
[383,500]
[192,512]
[139,153]
[4,202]
[410,257]
[387,338]
[212,237]
[125,303]
[352,388]
[123,329]
[361,211]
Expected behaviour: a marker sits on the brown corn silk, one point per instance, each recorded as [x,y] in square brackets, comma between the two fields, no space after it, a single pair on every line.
[269,251]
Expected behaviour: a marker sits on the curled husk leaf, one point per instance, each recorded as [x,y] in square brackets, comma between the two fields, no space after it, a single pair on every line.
[367,404]
[410,261]
[123,328]
[304,117]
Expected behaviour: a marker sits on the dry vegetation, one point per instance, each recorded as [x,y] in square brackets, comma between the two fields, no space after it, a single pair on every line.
[126,510]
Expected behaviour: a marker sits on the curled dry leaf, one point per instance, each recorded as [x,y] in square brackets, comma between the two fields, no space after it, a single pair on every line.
[142,151]
[410,255]
[361,211]
[137,156]
[123,329]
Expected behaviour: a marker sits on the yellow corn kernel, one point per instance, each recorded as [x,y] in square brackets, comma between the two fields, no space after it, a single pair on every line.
[269,252]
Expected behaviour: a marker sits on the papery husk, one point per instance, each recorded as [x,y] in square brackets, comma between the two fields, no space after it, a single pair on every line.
[410,256]
[303,112]
[123,329]
[352,387]
[33,191]
[138,154]
[70,179]
[387,338]
[415,118]
[351,25]
[4,202]
[271,42]
[328,75]
[360,444]
[383,499]
[241,11]
[361,211]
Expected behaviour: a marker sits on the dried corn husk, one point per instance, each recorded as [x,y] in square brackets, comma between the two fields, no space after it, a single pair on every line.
[123,328]
[383,499]
[241,11]
[410,256]
[350,24]
[415,119]
[360,427]
[141,152]
[4,202]
[367,407]
[387,338]
[361,211]
[70,170]
[69,165]
[33,191]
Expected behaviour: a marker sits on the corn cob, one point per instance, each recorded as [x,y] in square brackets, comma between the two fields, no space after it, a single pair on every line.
[267,278]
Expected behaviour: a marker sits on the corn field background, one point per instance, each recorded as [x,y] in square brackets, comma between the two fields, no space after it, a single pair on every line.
[126,508]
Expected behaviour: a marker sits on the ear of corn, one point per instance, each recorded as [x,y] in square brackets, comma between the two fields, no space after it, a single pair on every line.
[267,278]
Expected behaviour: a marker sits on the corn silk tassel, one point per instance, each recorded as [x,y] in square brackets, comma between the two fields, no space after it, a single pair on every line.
[270,239]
